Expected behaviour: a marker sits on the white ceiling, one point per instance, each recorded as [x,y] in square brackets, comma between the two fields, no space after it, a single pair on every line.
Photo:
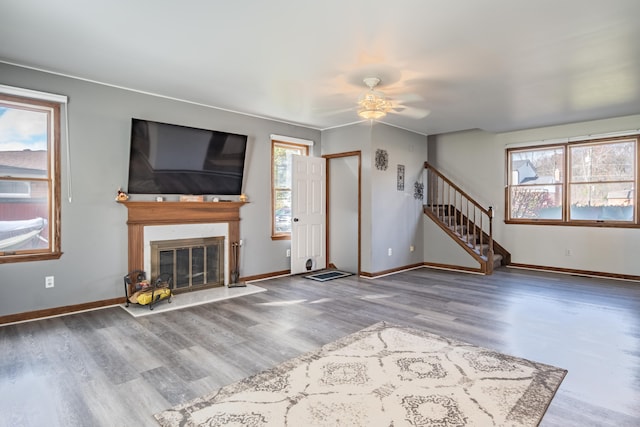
[496,65]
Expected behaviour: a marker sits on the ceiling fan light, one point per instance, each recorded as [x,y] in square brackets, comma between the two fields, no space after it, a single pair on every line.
[371,114]
[373,104]
[373,107]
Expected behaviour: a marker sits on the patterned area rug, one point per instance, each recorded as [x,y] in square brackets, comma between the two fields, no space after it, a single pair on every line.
[384,375]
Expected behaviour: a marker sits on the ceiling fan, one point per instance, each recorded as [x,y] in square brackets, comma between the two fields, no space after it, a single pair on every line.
[373,104]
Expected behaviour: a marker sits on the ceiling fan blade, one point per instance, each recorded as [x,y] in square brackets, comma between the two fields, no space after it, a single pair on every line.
[414,113]
[332,111]
[408,97]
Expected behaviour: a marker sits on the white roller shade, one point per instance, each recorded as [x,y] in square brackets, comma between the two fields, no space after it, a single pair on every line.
[34,94]
[292,140]
[573,138]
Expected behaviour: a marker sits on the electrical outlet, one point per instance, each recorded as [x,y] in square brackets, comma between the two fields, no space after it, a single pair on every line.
[412,248]
[567,252]
[390,251]
[48,282]
[288,253]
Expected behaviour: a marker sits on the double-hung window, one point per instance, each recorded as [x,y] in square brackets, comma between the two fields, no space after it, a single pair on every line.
[602,181]
[536,183]
[591,182]
[29,179]
[281,176]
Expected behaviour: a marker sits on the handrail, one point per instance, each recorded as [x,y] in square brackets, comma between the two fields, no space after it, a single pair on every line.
[459,190]
[461,214]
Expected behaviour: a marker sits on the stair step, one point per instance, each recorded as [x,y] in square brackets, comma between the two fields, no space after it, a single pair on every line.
[460,231]
[497,260]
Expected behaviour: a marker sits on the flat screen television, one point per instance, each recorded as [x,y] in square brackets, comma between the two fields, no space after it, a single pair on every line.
[172,159]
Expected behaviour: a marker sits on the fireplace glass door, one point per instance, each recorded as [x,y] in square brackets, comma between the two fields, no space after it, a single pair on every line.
[193,263]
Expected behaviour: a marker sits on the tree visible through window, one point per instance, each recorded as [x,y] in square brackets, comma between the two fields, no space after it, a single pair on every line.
[536,183]
[579,182]
[602,182]
[281,175]
[29,176]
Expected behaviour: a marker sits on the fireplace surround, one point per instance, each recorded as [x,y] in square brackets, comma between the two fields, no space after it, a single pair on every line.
[147,215]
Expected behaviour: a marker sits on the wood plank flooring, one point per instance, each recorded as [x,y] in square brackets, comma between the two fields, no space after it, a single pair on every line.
[106,368]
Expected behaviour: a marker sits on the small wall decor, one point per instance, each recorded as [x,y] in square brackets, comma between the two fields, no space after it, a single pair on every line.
[382,159]
[418,190]
[400,177]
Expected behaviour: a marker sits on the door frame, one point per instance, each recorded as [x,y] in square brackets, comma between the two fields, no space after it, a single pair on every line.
[329,157]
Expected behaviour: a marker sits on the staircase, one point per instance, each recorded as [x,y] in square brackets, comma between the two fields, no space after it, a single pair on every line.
[467,222]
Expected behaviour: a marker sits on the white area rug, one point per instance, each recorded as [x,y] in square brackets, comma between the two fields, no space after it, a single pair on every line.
[190,299]
[384,375]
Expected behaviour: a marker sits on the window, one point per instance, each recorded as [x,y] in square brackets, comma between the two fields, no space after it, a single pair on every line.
[29,179]
[602,181]
[281,173]
[575,183]
[535,190]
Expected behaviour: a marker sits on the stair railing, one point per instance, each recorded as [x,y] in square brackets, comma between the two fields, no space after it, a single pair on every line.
[461,214]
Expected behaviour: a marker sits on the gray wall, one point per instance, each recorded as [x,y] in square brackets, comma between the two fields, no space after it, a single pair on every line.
[390,218]
[440,248]
[94,232]
[342,214]
[397,217]
[475,160]
[356,138]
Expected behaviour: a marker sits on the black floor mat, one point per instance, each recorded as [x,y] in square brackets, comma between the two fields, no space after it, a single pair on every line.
[323,276]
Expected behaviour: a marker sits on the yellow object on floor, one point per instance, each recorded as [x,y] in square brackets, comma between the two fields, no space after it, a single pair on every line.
[145,297]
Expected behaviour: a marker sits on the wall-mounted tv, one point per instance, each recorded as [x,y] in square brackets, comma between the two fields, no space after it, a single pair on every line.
[172,159]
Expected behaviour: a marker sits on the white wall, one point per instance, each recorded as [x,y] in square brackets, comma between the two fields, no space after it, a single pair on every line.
[475,160]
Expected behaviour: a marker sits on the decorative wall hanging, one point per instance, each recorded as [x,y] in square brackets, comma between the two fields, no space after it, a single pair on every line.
[418,190]
[400,177]
[382,160]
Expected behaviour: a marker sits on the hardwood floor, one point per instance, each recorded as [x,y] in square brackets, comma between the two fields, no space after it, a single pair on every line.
[106,368]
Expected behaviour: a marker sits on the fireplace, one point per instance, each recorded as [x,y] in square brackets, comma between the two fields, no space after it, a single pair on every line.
[187,237]
[157,221]
[194,263]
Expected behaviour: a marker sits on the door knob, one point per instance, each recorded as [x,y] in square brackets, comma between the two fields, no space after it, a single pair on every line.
[295,219]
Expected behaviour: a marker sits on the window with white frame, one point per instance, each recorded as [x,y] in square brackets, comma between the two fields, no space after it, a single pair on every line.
[29,179]
[589,182]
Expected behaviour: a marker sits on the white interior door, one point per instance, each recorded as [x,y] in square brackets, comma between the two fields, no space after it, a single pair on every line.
[308,213]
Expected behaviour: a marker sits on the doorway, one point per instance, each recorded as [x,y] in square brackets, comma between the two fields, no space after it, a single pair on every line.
[343,210]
